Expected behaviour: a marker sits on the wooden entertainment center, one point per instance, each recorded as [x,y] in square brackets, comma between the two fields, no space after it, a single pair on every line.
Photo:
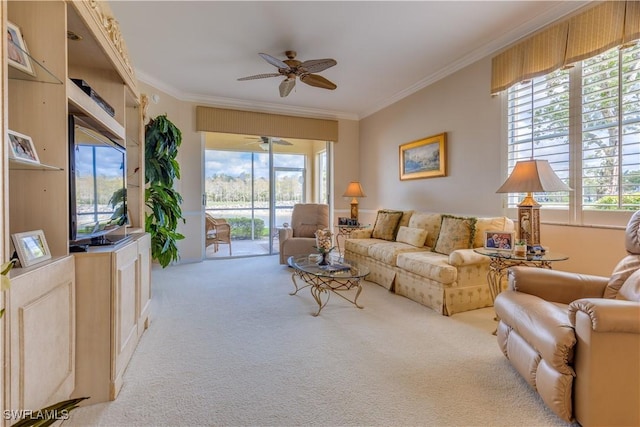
[72,322]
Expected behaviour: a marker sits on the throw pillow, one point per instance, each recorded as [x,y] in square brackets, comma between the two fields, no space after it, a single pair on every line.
[413,236]
[386,224]
[455,233]
[630,290]
[625,268]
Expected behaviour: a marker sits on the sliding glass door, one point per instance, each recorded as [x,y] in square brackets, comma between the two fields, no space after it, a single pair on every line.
[254,183]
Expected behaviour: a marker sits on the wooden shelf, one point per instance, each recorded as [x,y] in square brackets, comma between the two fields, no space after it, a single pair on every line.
[81,104]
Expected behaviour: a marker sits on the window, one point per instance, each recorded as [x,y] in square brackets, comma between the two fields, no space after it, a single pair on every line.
[587,120]
[322,177]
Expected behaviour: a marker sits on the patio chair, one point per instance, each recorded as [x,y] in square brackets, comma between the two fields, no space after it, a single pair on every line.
[218,231]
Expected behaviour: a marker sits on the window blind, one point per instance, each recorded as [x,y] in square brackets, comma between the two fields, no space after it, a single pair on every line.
[608,24]
[210,119]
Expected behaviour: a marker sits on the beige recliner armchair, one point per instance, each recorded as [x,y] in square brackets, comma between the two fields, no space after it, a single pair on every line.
[576,338]
[299,238]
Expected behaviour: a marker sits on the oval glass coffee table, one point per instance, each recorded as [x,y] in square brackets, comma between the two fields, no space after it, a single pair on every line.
[325,280]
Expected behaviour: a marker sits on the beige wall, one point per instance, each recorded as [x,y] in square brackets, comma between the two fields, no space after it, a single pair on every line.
[461,106]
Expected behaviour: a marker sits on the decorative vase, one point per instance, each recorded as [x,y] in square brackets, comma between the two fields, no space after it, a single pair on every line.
[325,258]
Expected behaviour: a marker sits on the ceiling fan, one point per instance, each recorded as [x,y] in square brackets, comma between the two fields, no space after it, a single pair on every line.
[291,67]
[264,142]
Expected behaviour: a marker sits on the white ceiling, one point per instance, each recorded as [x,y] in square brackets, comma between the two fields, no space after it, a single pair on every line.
[386,50]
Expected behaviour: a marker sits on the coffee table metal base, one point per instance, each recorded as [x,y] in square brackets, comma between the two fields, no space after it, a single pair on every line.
[326,286]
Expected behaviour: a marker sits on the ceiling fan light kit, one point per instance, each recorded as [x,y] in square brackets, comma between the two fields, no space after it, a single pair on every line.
[292,68]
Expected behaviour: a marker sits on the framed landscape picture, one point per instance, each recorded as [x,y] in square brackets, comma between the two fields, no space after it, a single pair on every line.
[425,158]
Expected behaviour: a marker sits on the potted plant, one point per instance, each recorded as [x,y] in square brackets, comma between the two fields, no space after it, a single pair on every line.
[162,139]
[520,247]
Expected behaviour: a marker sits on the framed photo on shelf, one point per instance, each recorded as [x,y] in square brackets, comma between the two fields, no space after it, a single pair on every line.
[425,158]
[17,53]
[31,247]
[499,240]
[21,147]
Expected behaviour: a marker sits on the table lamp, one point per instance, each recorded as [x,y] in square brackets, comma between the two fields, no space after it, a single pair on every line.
[354,190]
[530,176]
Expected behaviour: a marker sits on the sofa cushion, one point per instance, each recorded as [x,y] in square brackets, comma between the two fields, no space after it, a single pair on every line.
[542,324]
[428,264]
[501,223]
[625,268]
[427,221]
[630,289]
[387,252]
[455,233]
[386,224]
[413,236]
[360,246]
[406,216]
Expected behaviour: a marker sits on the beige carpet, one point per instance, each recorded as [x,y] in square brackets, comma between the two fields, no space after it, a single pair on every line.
[228,346]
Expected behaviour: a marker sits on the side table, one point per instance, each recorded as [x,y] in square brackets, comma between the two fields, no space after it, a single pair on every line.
[345,231]
[500,261]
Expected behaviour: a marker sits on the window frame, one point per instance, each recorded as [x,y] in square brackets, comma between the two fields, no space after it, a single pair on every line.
[574,213]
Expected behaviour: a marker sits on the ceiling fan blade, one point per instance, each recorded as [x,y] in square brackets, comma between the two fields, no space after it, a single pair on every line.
[317,81]
[259,76]
[317,65]
[286,86]
[280,141]
[273,61]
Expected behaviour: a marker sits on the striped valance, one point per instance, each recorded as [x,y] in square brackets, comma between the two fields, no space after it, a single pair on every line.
[599,28]
[211,119]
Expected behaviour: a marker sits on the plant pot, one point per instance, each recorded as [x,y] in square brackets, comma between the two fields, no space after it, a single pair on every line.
[325,259]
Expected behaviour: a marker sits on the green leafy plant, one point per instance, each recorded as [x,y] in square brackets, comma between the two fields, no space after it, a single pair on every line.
[162,140]
[241,227]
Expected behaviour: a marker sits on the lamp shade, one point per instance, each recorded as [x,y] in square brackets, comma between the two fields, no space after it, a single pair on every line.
[532,176]
[354,189]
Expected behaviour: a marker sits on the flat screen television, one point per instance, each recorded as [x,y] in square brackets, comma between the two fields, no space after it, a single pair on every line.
[97,186]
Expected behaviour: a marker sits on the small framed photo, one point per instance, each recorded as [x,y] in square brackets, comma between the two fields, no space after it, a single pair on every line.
[17,54]
[21,147]
[499,240]
[31,247]
[425,158]
[342,220]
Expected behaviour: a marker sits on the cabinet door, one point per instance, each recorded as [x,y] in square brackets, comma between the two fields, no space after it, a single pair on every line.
[41,335]
[144,257]
[125,311]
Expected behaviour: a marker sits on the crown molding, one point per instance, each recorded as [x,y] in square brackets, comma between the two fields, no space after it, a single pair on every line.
[561,10]
[238,104]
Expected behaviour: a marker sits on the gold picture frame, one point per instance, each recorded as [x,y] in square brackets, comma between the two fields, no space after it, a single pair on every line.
[424,158]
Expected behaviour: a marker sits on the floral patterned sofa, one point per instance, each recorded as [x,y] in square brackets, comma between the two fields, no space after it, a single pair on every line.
[428,257]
